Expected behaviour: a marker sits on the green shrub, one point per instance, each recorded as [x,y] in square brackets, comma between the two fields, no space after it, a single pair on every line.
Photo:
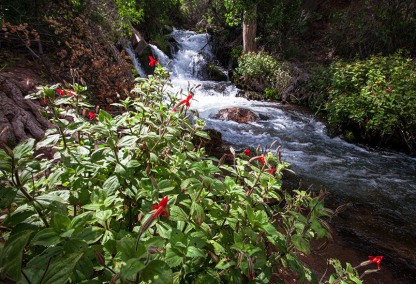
[258,71]
[375,99]
[130,198]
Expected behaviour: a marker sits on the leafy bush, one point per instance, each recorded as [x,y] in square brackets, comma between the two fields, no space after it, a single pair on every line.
[369,27]
[130,198]
[258,71]
[375,99]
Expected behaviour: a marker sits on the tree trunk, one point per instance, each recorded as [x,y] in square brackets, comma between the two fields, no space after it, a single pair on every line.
[19,118]
[249,30]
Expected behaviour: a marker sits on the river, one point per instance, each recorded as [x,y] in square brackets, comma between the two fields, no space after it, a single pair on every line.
[379,185]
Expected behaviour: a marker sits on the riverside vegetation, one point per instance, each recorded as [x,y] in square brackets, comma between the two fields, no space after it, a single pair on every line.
[133,198]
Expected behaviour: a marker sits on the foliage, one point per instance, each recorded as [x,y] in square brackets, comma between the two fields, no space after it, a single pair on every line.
[279,22]
[157,14]
[83,211]
[86,55]
[375,98]
[260,70]
[369,27]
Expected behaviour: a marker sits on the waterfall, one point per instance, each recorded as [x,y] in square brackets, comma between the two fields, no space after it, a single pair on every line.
[382,182]
[129,49]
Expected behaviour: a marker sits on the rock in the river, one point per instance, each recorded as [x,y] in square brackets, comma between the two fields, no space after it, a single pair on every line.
[240,115]
[215,73]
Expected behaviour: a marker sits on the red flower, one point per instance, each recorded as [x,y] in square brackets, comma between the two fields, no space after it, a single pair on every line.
[329,89]
[186,101]
[152,61]
[60,92]
[161,208]
[44,100]
[340,66]
[361,108]
[389,89]
[376,259]
[247,152]
[271,171]
[92,115]
[260,158]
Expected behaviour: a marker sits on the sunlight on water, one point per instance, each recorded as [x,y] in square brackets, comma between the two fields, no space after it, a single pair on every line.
[369,177]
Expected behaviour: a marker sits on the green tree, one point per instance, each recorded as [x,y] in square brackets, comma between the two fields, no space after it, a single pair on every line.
[245,11]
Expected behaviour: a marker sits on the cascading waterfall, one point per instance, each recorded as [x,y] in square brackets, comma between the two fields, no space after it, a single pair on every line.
[129,49]
[383,183]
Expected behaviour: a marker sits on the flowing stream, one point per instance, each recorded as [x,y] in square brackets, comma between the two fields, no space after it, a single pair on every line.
[380,185]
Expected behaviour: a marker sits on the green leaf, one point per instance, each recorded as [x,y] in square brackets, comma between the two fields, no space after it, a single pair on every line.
[5,161]
[19,215]
[203,134]
[129,271]
[166,185]
[46,237]
[195,252]
[301,244]
[178,239]
[37,265]
[24,149]
[173,256]
[61,223]
[177,214]
[125,247]
[91,234]
[48,141]
[104,116]
[7,196]
[157,272]
[127,141]
[12,254]
[111,185]
[61,268]
[81,220]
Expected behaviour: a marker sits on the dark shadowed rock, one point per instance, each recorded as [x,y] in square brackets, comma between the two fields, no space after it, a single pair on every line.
[138,42]
[240,115]
[19,118]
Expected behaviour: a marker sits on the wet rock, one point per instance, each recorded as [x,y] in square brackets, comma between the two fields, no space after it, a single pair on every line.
[138,42]
[251,95]
[216,146]
[240,115]
[215,74]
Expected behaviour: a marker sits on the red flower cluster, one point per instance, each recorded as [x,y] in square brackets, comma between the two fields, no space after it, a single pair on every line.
[184,102]
[60,92]
[247,152]
[271,171]
[376,259]
[92,115]
[63,92]
[152,62]
[389,90]
[161,208]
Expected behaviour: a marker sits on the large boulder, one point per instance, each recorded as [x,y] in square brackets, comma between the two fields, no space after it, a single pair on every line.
[241,115]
